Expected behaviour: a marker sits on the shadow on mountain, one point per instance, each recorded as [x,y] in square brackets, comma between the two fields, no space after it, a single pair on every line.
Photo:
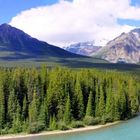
[107,66]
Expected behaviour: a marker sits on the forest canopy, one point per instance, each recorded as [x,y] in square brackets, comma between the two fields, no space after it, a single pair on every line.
[32,100]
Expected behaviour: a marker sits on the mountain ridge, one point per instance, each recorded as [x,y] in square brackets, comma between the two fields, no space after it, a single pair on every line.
[20,49]
[123,49]
[83,48]
[19,43]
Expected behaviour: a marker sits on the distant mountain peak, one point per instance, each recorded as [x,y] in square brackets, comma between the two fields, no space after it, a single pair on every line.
[136,30]
[83,48]
[124,48]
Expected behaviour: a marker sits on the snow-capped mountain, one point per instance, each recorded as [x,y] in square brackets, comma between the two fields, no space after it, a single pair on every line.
[83,48]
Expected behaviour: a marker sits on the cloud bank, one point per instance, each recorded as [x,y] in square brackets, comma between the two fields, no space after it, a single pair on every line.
[76,21]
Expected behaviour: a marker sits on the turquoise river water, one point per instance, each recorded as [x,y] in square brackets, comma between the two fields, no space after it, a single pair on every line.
[129,130]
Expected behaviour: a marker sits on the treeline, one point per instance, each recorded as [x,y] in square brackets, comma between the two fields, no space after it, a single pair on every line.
[33,100]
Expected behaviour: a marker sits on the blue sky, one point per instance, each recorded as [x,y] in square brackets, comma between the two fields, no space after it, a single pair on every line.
[135,2]
[10,8]
[131,22]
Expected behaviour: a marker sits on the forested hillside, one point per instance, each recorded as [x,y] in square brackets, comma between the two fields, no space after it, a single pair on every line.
[32,100]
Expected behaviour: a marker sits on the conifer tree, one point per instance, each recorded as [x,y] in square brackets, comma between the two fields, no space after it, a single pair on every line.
[44,80]
[109,105]
[12,106]
[67,113]
[122,101]
[53,123]
[42,114]
[133,96]
[97,96]
[33,109]
[25,109]
[79,99]
[116,113]
[17,127]
[90,107]
[2,106]
[101,106]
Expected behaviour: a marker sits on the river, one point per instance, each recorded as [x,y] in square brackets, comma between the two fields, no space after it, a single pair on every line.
[128,130]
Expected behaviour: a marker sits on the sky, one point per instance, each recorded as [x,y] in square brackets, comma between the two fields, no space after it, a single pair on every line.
[63,22]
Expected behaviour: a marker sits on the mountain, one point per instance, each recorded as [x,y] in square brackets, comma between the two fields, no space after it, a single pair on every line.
[20,49]
[83,48]
[15,44]
[123,49]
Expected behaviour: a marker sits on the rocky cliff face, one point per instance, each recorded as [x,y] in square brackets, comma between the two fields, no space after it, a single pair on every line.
[123,49]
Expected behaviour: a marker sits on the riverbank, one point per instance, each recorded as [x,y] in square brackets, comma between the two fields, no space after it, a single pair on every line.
[58,132]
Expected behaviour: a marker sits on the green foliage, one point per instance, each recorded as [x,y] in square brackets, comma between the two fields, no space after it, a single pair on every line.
[67,114]
[4,131]
[35,127]
[33,109]
[79,100]
[133,95]
[101,106]
[25,109]
[2,107]
[53,123]
[62,125]
[17,123]
[33,100]
[88,120]
[90,109]
[77,124]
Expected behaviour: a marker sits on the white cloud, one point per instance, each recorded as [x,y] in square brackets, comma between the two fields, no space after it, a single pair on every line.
[79,20]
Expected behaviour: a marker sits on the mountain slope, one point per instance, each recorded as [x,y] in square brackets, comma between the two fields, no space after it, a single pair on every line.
[83,48]
[14,43]
[123,49]
[18,48]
